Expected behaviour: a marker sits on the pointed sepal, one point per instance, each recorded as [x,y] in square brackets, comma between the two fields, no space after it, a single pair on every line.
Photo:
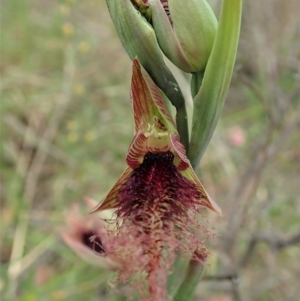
[110,201]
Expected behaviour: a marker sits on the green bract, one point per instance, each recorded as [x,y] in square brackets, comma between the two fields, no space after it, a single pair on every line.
[187,35]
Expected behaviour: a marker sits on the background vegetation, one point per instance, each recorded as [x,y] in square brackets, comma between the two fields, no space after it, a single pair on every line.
[66,124]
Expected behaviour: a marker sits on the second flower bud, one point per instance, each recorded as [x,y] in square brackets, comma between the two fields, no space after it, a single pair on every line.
[185,31]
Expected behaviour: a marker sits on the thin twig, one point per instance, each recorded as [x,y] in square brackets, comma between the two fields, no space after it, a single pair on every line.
[271,240]
[250,180]
[32,139]
[224,277]
[50,132]
[20,266]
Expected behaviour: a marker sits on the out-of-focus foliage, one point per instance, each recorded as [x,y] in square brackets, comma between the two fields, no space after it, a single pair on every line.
[66,125]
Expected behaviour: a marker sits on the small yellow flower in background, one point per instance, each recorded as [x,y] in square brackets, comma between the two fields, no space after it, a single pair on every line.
[67,29]
[90,136]
[79,89]
[83,47]
[65,10]
[73,137]
[72,125]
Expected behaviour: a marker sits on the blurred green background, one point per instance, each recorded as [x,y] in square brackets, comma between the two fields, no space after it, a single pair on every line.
[66,125]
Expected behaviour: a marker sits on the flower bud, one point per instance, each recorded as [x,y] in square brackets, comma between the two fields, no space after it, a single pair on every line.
[185,31]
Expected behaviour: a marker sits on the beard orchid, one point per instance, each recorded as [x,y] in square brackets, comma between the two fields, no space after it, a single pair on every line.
[158,196]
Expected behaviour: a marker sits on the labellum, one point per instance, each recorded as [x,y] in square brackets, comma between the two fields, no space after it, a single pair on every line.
[157,198]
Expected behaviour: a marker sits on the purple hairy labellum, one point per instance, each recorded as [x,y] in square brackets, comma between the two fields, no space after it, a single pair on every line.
[156,199]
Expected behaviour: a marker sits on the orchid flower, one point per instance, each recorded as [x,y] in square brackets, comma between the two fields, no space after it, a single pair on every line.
[158,195]
[86,236]
[156,138]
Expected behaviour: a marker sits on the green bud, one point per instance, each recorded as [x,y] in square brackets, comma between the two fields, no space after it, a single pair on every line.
[185,30]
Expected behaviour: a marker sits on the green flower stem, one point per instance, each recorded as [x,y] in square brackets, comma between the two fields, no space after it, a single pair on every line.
[209,101]
[176,277]
[181,121]
[182,125]
[196,82]
[208,104]
[187,289]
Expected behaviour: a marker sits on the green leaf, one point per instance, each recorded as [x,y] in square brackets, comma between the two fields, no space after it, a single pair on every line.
[209,101]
